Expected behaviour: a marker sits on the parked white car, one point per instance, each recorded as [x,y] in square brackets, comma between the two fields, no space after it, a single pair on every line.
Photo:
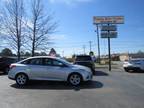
[134,65]
[48,68]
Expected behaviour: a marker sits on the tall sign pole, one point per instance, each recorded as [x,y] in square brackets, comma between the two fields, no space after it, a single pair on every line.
[108,29]
[109,49]
[98,43]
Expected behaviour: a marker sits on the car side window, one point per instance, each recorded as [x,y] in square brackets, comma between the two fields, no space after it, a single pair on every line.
[57,63]
[36,61]
[47,61]
[26,61]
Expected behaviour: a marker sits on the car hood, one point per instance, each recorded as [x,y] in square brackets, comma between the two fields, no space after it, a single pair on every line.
[81,67]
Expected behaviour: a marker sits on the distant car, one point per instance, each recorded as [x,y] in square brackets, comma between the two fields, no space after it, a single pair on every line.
[48,68]
[5,63]
[85,60]
[134,65]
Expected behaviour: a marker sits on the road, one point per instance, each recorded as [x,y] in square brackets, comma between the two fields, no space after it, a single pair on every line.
[116,89]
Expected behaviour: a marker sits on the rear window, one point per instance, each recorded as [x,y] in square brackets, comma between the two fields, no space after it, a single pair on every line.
[33,61]
[83,58]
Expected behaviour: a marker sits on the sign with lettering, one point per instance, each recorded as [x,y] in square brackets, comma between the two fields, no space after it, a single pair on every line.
[111,34]
[108,19]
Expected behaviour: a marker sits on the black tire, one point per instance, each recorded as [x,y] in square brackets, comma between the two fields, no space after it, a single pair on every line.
[21,79]
[6,70]
[75,79]
[93,71]
[127,70]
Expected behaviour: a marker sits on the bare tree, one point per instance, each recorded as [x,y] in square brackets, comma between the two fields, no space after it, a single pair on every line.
[13,21]
[42,26]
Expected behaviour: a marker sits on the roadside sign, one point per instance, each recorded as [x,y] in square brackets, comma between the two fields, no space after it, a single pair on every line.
[109,28]
[111,34]
[108,19]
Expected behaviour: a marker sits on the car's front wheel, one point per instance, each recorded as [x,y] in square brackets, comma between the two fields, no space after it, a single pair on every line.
[6,70]
[21,79]
[75,79]
[127,70]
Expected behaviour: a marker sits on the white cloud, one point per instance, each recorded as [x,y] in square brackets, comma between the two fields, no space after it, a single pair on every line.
[69,2]
[7,1]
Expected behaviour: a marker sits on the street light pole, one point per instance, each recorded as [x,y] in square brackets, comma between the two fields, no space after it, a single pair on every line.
[84,49]
[90,42]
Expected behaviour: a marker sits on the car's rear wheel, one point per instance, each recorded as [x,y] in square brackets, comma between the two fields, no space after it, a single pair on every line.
[75,79]
[21,79]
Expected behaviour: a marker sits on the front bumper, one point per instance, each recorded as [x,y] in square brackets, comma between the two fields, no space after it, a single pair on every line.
[11,78]
[88,77]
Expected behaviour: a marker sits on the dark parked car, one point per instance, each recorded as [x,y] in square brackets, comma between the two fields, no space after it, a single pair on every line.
[85,60]
[5,63]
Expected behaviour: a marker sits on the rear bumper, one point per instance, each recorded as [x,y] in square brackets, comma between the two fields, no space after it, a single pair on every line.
[11,75]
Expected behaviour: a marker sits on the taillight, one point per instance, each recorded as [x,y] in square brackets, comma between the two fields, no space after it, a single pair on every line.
[12,66]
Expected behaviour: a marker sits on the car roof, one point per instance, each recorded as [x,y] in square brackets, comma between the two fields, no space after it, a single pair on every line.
[42,57]
[39,57]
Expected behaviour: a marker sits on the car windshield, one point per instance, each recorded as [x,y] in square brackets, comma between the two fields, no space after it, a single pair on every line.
[64,61]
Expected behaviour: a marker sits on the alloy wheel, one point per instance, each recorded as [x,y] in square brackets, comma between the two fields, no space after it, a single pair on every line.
[21,79]
[75,79]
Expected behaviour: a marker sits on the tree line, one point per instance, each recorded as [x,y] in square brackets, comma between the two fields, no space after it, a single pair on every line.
[6,52]
[26,25]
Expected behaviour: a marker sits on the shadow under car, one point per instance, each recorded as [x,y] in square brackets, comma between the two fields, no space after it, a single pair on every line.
[54,85]
[100,73]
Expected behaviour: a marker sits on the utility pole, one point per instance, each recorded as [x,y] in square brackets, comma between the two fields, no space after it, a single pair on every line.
[63,53]
[98,43]
[84,49]
[90,42]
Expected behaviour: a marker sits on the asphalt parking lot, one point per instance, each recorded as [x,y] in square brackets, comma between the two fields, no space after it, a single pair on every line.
[116,89]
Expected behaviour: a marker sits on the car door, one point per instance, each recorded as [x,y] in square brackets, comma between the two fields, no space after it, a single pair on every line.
[37,69]
[56,70]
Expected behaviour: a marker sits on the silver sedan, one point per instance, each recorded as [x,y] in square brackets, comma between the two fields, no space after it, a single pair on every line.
[48,68]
